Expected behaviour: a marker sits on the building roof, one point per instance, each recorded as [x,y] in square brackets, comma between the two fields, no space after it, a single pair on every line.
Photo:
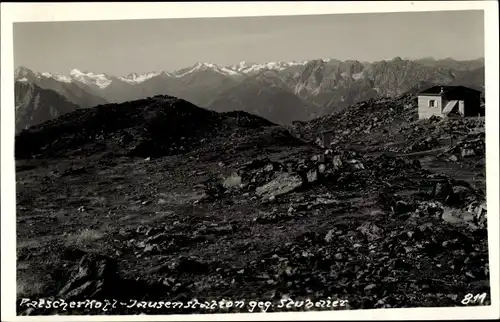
[437,89]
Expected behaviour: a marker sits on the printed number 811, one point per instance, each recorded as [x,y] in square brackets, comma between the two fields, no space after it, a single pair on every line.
[474,299]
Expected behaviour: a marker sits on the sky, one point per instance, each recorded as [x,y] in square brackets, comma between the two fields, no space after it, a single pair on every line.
[120,47]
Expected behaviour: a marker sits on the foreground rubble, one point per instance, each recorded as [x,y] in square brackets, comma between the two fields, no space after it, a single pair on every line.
[253,213]
[376,232]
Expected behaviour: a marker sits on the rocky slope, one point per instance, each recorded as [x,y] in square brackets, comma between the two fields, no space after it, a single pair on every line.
[230,204]
[35,105]
[452,63]
[473,79]
[392,126]
[157,126]
[266,95]
[338,84]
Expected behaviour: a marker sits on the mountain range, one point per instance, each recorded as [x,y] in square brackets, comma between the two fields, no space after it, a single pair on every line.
[278,91]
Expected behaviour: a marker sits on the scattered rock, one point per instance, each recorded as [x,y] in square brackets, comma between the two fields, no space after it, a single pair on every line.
[481,215]
[402,207]
[467,153]
[233,181]
[370,230]
[330,235]
[442,189]
[429,209]
[337,162]
[312,175]
[370,287]
[189,265]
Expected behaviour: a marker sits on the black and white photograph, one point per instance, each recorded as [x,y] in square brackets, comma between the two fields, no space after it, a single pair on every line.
[325,162]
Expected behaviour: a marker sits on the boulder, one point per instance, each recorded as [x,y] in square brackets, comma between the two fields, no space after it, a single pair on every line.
[442,189]
[93,278]
[269,167]
[281,184]
[458,217]
[402,207]
[429,209]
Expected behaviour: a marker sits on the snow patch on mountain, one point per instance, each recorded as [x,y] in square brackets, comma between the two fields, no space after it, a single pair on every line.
[238,69]
[58,77]
[358,76]
[62,78]
[135,78]
[229,71]
[189,71]
[241,66]
[90,78]
[24,80]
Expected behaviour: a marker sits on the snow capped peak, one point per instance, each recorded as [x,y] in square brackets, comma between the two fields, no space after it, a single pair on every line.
[245,67]
[22,71]
[101,80]
[76,72]
[209,65]
[203,66]
[28,73]
[240,68]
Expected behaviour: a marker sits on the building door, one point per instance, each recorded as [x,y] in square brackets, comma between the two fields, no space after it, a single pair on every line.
[461,108]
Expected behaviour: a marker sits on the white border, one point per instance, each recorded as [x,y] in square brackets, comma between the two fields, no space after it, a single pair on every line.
[18,12]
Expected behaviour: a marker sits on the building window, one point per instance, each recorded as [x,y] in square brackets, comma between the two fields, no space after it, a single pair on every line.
[432,103]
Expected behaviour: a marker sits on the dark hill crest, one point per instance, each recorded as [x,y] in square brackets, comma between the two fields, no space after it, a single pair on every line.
[155,126]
